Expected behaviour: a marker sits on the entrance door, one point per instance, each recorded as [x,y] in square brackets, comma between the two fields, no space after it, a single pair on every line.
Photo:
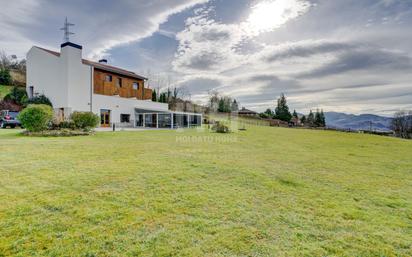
[105,118]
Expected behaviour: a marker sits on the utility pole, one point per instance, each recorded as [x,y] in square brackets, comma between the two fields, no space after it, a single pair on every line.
[66,30]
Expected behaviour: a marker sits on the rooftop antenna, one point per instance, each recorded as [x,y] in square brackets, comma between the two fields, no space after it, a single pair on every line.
[66,30]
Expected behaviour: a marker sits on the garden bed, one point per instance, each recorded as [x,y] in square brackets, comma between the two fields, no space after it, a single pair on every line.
[58,133]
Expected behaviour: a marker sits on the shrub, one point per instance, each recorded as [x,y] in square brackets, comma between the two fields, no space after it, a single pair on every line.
[5,77]
[67,125]
[85,120]
[40,99]
[219,127]
[17,95]
[36,117]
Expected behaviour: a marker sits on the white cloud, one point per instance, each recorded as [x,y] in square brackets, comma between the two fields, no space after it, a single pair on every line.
[15,14]
[328,72]
[99,26]
[269,15]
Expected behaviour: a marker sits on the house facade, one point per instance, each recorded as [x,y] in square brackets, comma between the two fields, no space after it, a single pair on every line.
[118,96]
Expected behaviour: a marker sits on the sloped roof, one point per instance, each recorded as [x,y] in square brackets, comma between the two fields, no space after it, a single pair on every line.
[100,66]
[244,110]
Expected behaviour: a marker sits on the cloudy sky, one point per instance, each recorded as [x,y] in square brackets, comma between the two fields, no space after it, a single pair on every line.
[353,56]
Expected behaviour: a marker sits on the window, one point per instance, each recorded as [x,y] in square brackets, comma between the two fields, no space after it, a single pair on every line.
[109,78]
[135,86]
[31,92]
[119,82]
[124,118]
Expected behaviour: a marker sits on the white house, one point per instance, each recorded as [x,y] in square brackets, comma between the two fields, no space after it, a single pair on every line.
[118,96]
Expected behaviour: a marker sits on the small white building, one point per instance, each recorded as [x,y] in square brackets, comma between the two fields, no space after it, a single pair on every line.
[118,96]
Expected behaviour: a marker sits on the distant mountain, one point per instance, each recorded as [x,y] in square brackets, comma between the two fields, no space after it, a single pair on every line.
[357,122]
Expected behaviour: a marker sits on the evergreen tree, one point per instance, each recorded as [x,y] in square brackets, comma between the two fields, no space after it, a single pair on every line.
[311,119]
[269,113]
[303,119]
[224,104]
[282,109]
[322,119]
[234,106]
[163,97]
[318,119]
[168,95]
[154,95]
[221,106]
[295,114]
[5,77]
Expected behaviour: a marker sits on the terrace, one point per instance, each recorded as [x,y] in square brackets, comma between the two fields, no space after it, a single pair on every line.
[166,119]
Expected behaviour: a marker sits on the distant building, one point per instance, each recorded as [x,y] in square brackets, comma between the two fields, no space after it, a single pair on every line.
[246,113]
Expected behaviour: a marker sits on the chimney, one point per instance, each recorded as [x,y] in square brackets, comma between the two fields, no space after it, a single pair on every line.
[71,51]
[103,61]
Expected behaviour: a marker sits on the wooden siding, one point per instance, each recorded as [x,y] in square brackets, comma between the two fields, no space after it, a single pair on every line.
[110,88]
[147,93]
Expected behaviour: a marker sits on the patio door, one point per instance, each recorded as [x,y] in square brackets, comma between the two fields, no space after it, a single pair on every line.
[105,118]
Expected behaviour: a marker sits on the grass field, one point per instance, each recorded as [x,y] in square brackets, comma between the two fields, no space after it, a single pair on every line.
[4,90]
[261,192]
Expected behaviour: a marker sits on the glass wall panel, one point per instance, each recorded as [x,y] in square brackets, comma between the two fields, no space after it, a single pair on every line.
[165,120]
[195,120]
[139,120]
[179,120]
[150,120]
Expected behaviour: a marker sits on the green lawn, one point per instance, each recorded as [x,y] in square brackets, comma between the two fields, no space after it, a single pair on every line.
[4,90]
[261,192]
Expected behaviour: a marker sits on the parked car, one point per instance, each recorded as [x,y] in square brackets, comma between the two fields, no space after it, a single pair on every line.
[9,119]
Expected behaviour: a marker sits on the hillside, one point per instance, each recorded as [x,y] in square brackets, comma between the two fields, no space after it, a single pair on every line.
[261,192]
[4,90]
[19,78]
[357,122]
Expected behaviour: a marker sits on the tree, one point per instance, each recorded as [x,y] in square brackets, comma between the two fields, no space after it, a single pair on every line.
[295,114]
[322,119]
[311,119]
[176,95]
[17,95]
[402,124]
[268,114]
[221,106]
[282,109]
[303,119]
[213,101]
[5,77]
[154,95]
[235,106]
[318,119]
[218,103]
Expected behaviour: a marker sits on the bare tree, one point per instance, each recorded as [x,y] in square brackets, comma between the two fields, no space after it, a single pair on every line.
[402,124]
[214,98]
[5,62]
